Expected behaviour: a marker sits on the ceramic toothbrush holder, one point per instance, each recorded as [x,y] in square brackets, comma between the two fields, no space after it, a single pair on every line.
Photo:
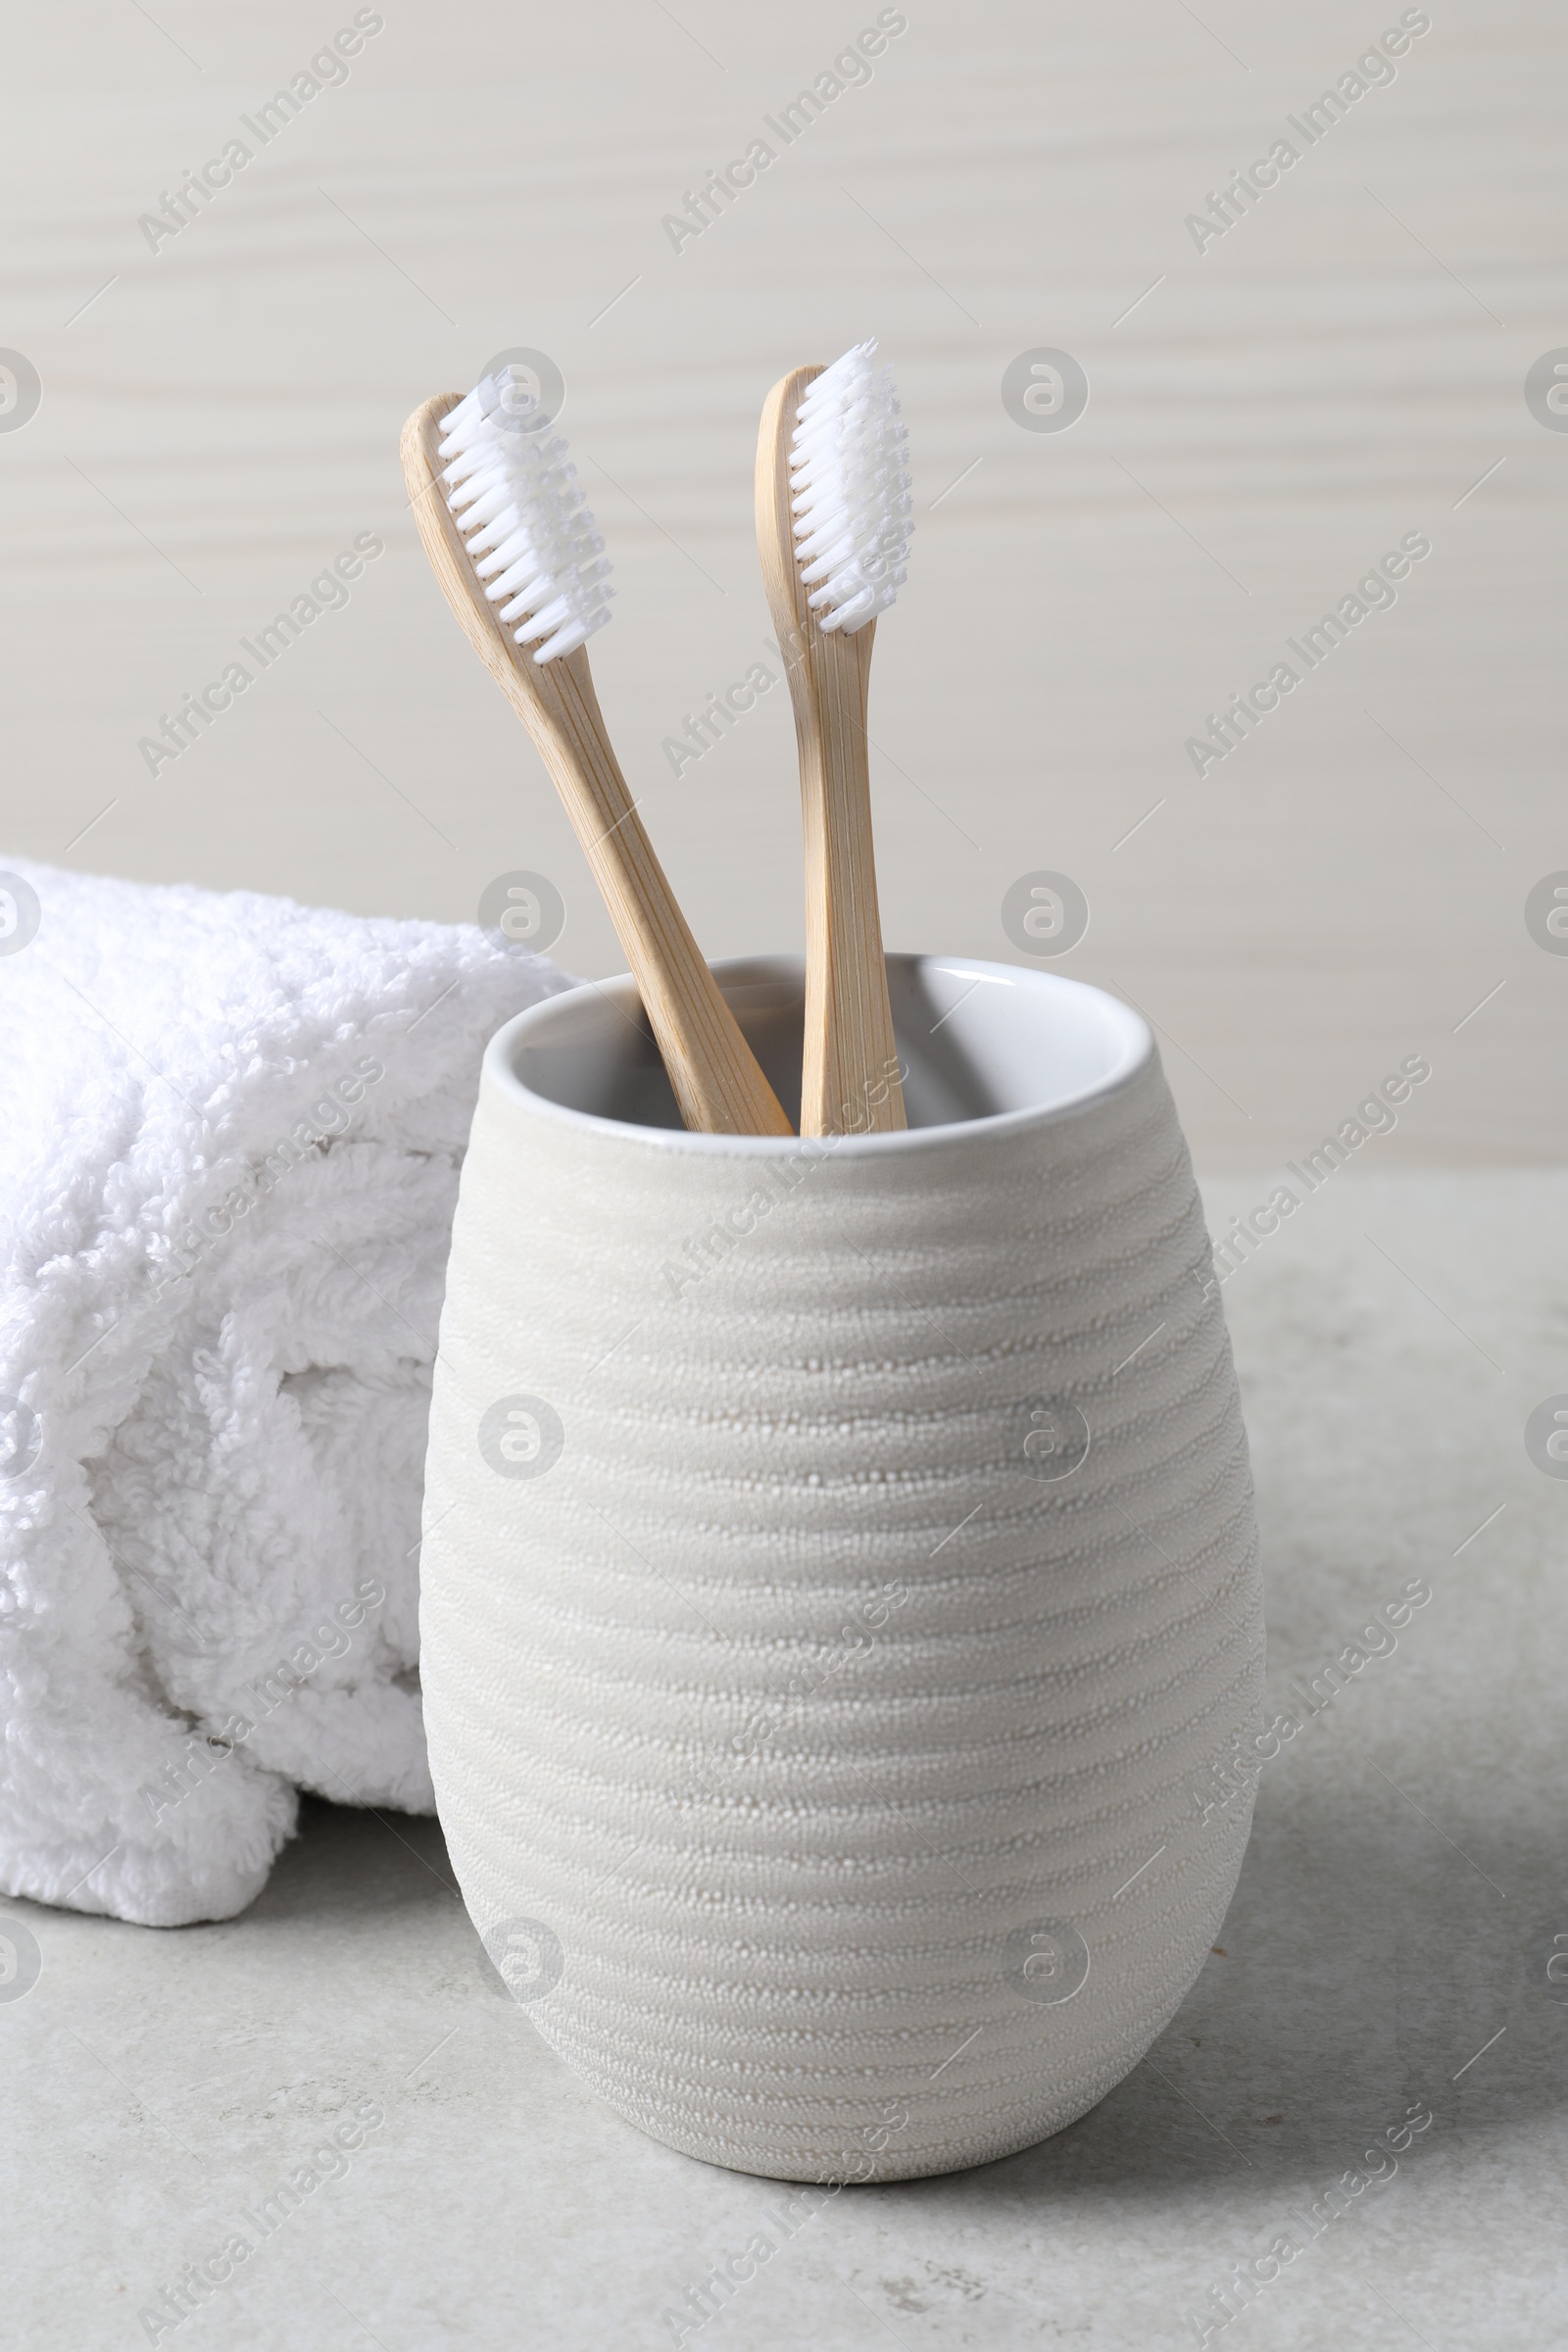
[841,1616]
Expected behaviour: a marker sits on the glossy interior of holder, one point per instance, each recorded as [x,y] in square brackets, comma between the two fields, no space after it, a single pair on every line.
[975,1038]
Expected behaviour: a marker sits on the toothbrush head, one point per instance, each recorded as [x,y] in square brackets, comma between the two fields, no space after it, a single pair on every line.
[526,525]
[850,480]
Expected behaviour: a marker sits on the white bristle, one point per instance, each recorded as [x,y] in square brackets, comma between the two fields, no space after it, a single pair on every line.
[852,502]
[526,525]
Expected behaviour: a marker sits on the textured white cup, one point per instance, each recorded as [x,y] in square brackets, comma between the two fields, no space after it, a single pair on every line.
[846,1767]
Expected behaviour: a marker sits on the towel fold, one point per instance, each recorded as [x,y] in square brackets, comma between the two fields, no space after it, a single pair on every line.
[229,1144]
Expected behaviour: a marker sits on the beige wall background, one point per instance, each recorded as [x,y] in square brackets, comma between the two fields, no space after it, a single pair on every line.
[219,418]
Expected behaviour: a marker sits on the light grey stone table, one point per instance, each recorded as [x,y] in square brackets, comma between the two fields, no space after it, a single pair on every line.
[1387,1950]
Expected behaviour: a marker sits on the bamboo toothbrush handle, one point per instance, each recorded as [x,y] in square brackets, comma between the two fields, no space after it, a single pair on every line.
[849,1075]
[719,1084]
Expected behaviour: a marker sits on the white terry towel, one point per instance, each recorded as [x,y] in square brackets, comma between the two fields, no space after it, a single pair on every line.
[231,1129]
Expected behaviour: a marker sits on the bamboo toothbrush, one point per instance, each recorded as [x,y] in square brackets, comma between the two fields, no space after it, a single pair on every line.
[833,522]
[513,544]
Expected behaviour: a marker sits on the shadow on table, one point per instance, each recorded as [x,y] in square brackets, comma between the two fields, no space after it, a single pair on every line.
[1360,1970]
[346,1859]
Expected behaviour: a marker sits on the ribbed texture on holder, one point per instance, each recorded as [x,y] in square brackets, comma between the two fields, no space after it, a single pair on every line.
[787,1698]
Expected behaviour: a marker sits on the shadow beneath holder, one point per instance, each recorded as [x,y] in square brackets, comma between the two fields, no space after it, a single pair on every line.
[1358,1974]
[1360,1969]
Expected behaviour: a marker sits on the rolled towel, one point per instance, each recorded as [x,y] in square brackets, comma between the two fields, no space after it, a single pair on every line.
[228,1163]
